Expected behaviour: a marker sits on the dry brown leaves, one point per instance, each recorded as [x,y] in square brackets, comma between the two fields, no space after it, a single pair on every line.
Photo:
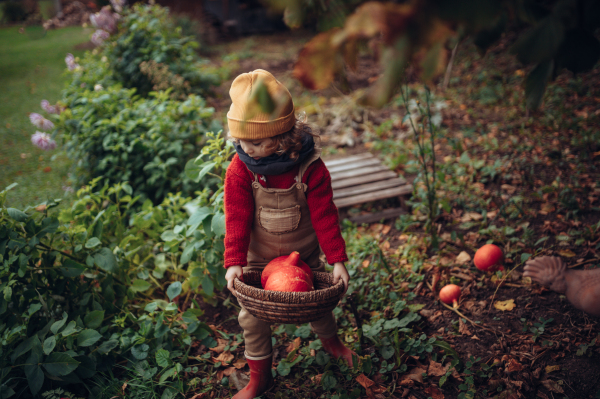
[436,369]
[414,375]
[221,344]
[373,389]
[434,392]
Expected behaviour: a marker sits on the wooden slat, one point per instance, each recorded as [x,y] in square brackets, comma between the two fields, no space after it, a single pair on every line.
[350,159]
[368,188]
[358,172]
[378,216]
[387,193]
[361,163]
[355,181]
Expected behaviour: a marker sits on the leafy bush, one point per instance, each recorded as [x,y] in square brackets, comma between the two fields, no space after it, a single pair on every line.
[84,289]
[146,141]
[147,33]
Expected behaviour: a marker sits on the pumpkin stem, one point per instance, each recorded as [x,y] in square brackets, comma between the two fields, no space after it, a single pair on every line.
[294,258]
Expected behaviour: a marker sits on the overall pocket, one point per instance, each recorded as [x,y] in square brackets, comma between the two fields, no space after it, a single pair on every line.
[279,221]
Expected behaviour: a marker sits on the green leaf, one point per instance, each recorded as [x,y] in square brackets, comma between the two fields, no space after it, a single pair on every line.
[69,329]
[541,240]
[139,285]
[322,358]
[71,269]
[207,285]
[59,364]
[163,358]
[169,235]
[94,319]
[106,260]
[187,254]
[328,381]
[535,84]
[35,378]
[206,167]
[284,368]
[196,219]
[303,331]
[88,337]
[107,346]
[93,242]
[409,318]
[525,256]
[140,352]
[167,374]
[174,290]
[218,224]
[49,225]
[49,344]
[387,352]
[24,347]
[17,215]
[33,308]
[57,325]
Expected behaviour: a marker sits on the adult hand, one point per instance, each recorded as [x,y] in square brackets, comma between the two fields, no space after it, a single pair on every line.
[232,273]
[340,272]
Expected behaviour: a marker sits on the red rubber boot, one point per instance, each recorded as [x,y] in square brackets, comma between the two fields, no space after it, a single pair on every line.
[337,349]
[261,379]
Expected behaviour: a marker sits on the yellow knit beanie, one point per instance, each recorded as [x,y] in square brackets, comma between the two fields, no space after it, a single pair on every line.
[245,118]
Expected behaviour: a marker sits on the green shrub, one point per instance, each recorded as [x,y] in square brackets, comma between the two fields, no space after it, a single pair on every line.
[90,286]
[147,33]
[112,132]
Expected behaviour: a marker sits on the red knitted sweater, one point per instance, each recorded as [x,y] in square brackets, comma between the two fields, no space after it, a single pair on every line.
[239,209]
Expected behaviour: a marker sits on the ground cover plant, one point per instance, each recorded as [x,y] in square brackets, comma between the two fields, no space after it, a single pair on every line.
[526,182]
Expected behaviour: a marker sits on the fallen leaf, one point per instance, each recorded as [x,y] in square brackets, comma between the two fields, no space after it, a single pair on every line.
[224,357]
[385,246]
[469,216]
[553,386]
[228,371]
[463,258]
[365,381]
[240,363]
[316,379]
[200,395]
[513,366]
[386,230]
[40,208]
[436,369]
[295,344]
[475,337]
[567,253]
[47,169]
[547,208]
[366,263]
[505,305]
[462,328]
[550,369]
[221,344]
[414,375]
[508,188]
[434,392]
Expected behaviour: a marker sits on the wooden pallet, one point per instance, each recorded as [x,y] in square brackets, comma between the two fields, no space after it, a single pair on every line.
[363,178]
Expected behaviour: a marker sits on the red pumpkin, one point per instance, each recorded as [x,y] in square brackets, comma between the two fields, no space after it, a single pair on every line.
[489,258]
[292,259]
[289,279]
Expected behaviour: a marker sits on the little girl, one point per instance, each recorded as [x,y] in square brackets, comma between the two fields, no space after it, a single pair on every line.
[278,199]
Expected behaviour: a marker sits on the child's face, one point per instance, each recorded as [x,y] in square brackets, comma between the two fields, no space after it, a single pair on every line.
[257,148]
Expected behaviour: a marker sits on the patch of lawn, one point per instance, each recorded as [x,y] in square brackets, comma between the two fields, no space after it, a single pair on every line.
[32,69]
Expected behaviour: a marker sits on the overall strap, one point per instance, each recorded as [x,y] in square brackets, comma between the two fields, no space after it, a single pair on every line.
[315,155]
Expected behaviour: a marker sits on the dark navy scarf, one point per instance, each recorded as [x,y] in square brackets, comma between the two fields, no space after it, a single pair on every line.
[276,164]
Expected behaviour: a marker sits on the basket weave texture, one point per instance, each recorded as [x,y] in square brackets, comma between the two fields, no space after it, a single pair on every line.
[288,307]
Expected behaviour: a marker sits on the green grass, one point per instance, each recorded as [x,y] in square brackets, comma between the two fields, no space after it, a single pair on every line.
[31,69]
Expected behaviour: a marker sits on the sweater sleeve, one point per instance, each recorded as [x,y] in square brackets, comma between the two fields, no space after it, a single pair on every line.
[324,213]
[239,213]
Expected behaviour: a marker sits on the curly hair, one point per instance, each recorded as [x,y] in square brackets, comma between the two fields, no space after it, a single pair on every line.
[290,142]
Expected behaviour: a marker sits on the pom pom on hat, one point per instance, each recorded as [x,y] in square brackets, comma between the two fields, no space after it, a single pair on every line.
[246,119]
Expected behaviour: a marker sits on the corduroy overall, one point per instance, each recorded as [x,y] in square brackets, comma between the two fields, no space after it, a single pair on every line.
[281,225]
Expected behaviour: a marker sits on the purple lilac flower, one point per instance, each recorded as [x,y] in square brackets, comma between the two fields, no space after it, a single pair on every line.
[51,109]
[99,37]
[43,141]
[105,19]
[40,122]
[70,61]
[117,5]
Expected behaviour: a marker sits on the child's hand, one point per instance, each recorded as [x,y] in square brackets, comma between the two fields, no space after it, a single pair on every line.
[232,273]
[340,272]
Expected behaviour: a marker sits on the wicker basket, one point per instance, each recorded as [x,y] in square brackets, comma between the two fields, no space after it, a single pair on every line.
[288,307]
